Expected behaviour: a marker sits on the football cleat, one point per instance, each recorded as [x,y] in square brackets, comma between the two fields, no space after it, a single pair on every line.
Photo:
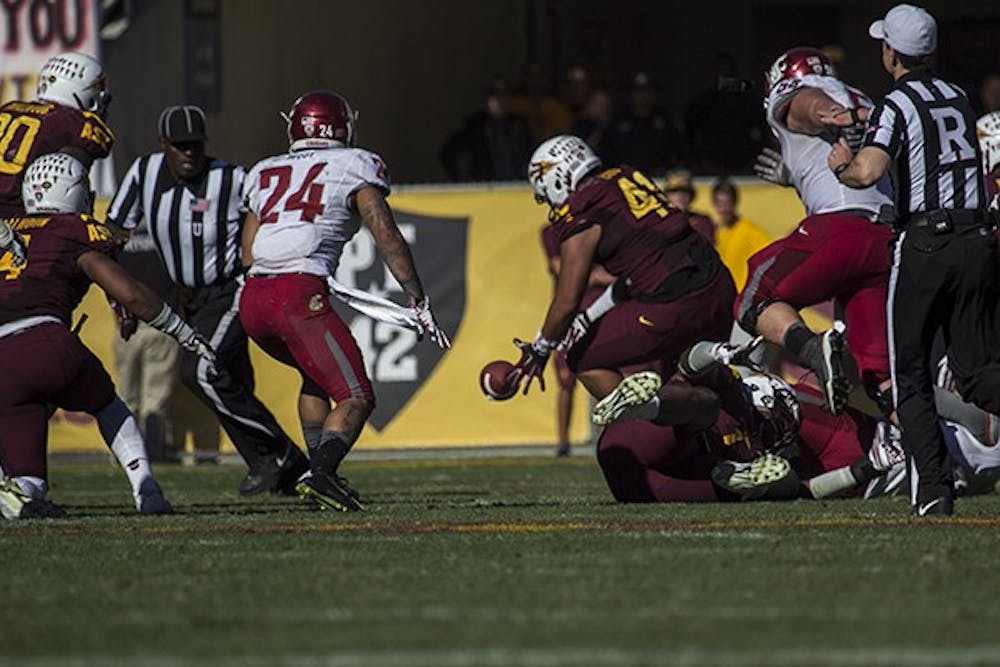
[16,504]
[625,399]
[833,381]
[769,477]
[150,500]
[887,449]
[329,492]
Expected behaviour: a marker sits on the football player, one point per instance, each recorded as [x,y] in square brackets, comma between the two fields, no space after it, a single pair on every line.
[304,206]
[45,363]
[837,251]
[679,290]
[988,129]
[66,116]
[731,459]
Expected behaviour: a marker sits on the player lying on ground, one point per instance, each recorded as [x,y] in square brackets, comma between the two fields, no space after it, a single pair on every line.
[45,364]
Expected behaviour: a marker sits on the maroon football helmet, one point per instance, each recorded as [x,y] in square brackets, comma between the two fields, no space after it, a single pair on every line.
[319,118]
[797,63]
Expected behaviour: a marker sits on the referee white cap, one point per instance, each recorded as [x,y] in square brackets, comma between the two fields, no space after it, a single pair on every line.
[908,30]
[182,123]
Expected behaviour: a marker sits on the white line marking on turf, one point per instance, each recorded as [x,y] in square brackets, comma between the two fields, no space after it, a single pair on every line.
[970,656]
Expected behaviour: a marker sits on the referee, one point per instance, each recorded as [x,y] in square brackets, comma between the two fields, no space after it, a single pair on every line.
[943,274]
[193,205]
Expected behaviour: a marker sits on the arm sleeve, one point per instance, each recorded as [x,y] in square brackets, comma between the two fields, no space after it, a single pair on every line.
[125,209]
[885,127]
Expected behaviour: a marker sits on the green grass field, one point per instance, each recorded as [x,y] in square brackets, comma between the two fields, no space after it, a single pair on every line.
[490,562]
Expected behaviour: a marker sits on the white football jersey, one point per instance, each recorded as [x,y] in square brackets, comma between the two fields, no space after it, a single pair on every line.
[301,199]
[806,155]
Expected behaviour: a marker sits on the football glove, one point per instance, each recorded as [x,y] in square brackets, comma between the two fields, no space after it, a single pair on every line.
[127,322]
[427,323]
[171,324]
[12,242]
[771,168]
[534,356]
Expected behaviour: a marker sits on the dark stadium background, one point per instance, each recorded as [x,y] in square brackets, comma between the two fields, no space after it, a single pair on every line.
[413,68]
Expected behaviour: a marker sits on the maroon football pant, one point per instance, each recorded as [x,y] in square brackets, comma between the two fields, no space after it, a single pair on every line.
[44,365]
[827,442]
[637,334]
[290,317]
[646,463]
[831,256]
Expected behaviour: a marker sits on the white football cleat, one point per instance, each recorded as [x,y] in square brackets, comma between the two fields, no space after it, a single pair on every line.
[623,401]
[12,499]
[769,477]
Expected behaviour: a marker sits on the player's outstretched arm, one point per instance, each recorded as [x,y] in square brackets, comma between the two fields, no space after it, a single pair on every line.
[143,302]
[577,258]
[251,224]
[377,217]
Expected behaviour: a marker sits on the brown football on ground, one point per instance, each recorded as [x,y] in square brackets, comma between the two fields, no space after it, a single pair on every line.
[496,380]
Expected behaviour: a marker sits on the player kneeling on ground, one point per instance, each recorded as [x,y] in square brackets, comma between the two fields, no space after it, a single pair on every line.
[58,249]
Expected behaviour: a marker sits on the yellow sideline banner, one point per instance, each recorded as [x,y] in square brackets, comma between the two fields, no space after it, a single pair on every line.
[479,251]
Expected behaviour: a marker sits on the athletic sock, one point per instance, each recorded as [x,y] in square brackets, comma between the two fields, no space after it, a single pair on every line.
[804,344]
[313,434]
[326,458]
[121,434]
[832,482]
[648,411]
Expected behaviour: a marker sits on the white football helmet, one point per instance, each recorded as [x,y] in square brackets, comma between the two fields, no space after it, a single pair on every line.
[557,166]
[57,183]
[74,80]
[988,131]
[775,403]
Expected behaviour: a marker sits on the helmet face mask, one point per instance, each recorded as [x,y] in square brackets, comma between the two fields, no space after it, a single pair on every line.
[74,80]
[320,119]
[57,183]
[776,406]
[556,168]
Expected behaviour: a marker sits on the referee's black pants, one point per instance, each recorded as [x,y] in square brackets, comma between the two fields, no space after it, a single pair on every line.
[213,311]
[944,282]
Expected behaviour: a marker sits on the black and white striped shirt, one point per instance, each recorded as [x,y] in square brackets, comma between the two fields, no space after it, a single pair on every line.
[928,128]
[195,227]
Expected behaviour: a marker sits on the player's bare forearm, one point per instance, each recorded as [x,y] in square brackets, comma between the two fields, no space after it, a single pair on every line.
[251,225]
[812,111]
[135,296]
[577,254]
[377,217]
[863,170]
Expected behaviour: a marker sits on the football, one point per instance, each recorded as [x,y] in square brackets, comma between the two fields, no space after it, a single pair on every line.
[494,382]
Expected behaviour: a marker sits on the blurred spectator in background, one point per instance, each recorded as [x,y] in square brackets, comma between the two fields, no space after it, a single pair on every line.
[534,102]
[643,135]
[493,144]
[680,193]
[736,238]
[577,89]
[989,93]
[594,119]
[148,363]
[725,128]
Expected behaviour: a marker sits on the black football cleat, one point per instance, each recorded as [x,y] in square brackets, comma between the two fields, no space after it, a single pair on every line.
[329,492]
[291,469]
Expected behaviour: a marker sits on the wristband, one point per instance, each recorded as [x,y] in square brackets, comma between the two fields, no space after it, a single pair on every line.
[840,169]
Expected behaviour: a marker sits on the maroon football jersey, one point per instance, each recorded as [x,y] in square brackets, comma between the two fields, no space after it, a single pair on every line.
[642,237]
[50,282]
[703,225]
[31,129]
